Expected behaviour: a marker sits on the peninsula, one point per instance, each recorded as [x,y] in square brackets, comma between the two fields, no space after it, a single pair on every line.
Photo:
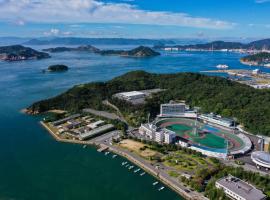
[192,87]
[104,114]
[262,58]
[19,52]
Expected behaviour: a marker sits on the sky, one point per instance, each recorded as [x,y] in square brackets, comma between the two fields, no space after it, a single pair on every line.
[203,19]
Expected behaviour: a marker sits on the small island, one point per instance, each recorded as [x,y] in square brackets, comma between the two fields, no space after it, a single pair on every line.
[86,48]
[19,52]
[262,58]
[57,68]
[138,52]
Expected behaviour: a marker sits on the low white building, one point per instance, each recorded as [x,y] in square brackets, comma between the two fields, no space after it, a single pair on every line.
[237,189]
[218,120]
[95,124]
[132,95]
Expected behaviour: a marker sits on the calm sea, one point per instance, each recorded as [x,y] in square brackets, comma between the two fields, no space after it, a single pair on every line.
[34,166]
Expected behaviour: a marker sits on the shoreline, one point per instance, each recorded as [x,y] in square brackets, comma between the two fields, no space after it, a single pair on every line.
[132,158]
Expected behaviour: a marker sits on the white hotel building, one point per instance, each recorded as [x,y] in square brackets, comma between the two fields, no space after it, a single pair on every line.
[160,136]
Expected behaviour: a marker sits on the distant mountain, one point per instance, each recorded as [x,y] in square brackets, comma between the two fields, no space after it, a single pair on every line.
[140,51]
[88,48]
[219,45]
[95,41]
[216,45]
[5,41]
[19,52]
[259,44]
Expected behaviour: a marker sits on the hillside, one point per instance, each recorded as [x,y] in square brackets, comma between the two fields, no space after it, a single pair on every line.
[213,94]
[18,52]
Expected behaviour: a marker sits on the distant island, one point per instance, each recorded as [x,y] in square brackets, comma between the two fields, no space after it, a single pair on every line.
[87,48]
[191,87]
[221,45]
[262,58]
[57,68]
[140,51]
[19,52]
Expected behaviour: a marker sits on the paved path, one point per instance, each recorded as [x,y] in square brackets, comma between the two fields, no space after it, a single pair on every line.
[160,173]
[106,102]
[104,114]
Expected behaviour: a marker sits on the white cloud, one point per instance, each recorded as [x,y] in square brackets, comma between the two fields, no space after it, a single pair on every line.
[93,11]
[57,32]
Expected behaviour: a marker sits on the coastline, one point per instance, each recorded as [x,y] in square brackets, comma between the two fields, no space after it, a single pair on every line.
[135,160]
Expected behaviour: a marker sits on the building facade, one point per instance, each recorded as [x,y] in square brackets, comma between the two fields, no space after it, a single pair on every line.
[172,109]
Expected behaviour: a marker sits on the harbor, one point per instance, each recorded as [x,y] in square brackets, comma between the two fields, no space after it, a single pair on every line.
[254,78]
[106,148]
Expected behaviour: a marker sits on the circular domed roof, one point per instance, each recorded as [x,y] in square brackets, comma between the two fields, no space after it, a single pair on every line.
[261,158]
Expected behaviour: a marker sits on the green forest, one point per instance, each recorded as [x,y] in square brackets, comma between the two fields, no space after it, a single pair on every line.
[249,106]
[259,57]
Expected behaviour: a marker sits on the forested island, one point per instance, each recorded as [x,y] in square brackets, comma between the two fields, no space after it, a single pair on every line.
[57,68]
[19,52]
[251,107]
[262,58]
[140,51]
[86,48]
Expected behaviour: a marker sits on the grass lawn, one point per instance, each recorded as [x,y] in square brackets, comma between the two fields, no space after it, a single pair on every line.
[185,162]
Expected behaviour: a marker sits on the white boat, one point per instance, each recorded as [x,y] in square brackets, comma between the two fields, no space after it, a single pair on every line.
[161,188]
[106,153]
[123,163]
[127,165]
[131,167]
[222,66]
[137,170]
[155,183]
[114,156]
[142,174]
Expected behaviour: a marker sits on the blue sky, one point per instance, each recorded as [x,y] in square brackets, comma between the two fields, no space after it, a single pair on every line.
[136,18]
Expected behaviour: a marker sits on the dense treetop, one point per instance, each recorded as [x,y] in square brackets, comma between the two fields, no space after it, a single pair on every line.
[251,107]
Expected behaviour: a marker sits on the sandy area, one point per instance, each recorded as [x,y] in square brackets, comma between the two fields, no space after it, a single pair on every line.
[136,146]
